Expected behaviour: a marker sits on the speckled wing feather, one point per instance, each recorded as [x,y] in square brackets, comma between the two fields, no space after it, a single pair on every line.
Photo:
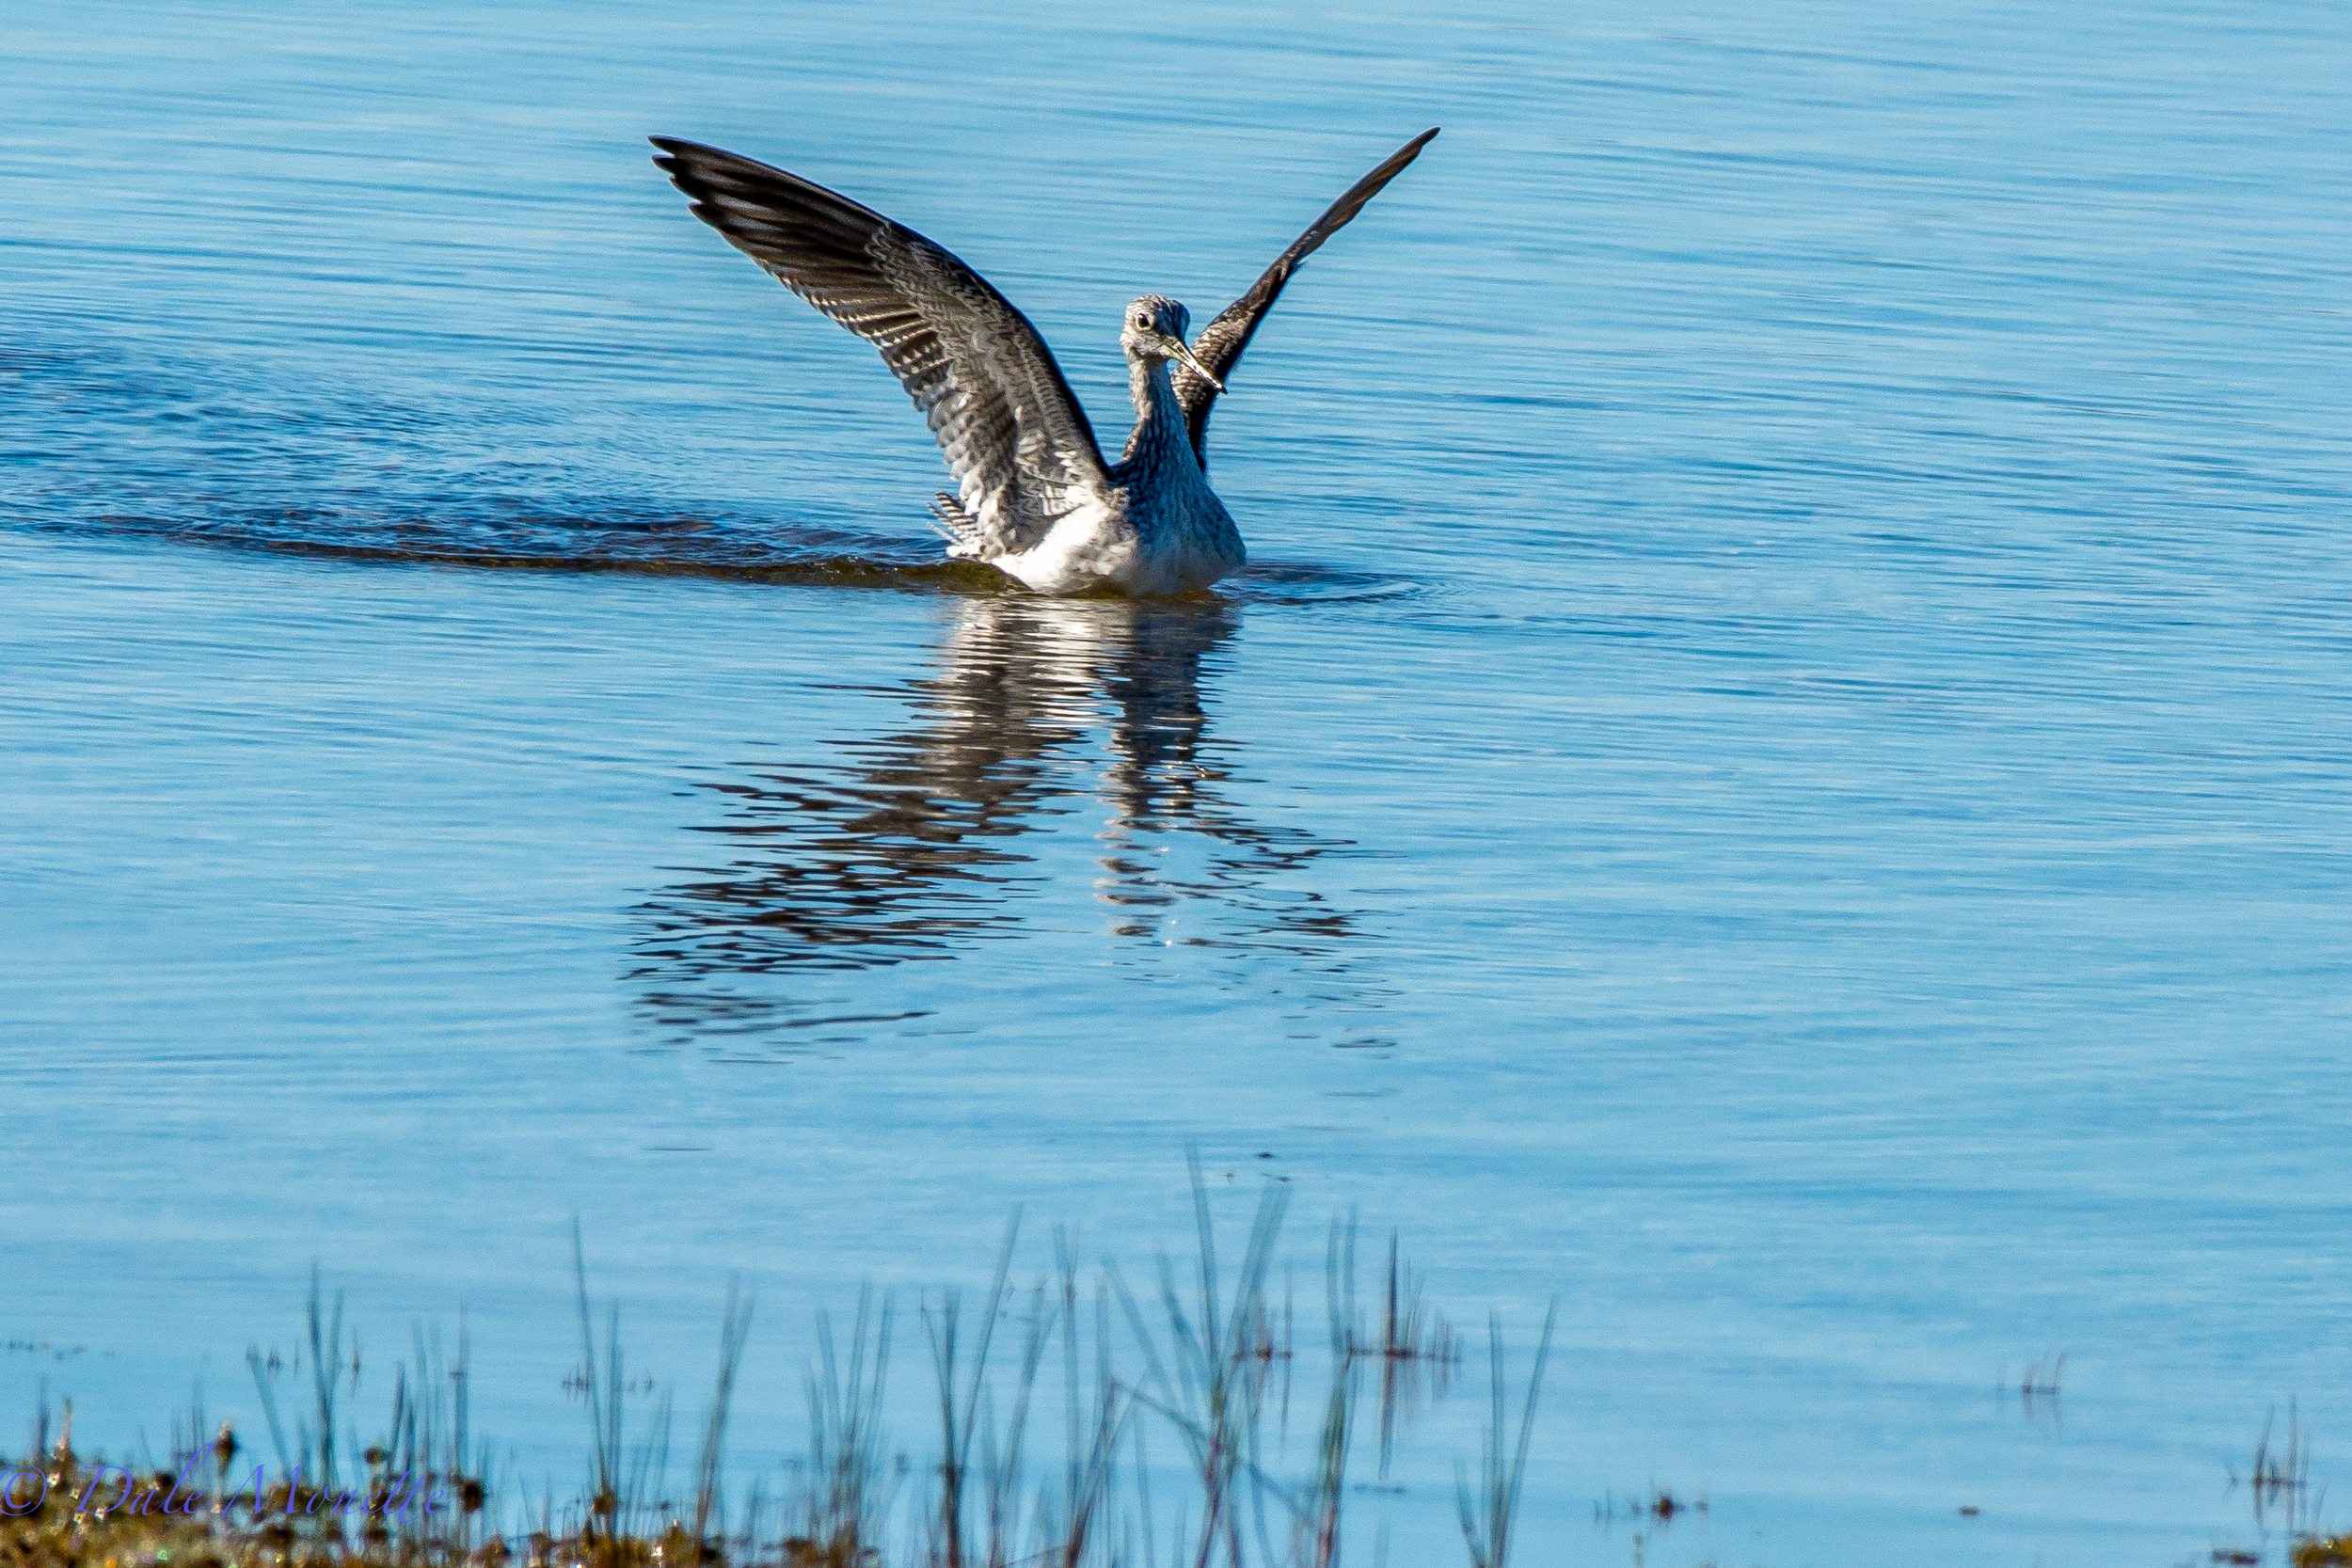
[1221,342]
[1017,441]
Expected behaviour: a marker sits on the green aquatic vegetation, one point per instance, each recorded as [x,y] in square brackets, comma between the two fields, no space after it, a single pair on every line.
[1206,1361]
[1488,1510]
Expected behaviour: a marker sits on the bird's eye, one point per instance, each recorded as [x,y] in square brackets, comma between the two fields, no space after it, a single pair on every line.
[1143,323]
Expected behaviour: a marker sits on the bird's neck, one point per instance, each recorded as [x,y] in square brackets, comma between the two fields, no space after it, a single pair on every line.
[1160,430]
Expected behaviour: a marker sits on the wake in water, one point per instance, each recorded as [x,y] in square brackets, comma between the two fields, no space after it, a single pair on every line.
[98,449]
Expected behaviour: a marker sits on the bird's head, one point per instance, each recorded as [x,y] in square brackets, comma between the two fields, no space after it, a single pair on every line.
[1155,329]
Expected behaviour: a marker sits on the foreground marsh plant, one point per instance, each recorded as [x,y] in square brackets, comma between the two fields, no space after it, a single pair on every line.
[1489,1511]
[1212,1362]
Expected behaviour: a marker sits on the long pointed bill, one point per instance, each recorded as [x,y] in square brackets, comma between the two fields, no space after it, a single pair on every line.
[1183,355]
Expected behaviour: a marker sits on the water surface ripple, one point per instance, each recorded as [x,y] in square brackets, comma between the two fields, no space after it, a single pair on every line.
[1781,775]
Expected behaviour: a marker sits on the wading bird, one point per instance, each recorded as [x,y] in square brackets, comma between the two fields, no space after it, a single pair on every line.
[1034,498]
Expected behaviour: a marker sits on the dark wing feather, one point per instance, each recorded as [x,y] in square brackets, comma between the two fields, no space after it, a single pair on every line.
[1017,441]
[1221,342]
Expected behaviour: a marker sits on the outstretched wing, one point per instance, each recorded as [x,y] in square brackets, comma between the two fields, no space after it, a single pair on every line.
[1221,342]
[1017,441]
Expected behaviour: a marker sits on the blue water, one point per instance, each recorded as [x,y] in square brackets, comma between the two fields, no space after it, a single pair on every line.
[1781,776]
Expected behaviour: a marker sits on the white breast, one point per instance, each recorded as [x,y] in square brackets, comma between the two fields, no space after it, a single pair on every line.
[1096,548]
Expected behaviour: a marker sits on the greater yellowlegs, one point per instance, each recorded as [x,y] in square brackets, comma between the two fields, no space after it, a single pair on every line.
[1034,498]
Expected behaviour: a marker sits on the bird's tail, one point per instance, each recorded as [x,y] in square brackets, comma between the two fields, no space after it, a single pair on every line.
[957,527]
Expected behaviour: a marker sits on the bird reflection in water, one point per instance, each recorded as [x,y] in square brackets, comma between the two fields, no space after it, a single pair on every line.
[924,842]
